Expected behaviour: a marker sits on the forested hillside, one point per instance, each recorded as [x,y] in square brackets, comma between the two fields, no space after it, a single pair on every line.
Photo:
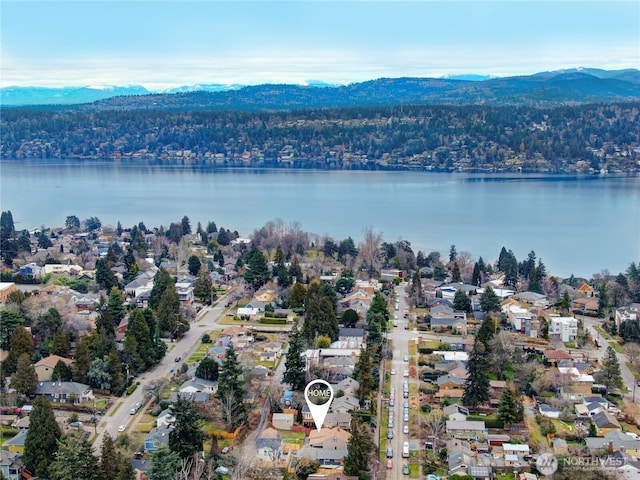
[557,139]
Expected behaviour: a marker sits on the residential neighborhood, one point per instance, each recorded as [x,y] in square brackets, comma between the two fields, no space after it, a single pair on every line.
[199,342]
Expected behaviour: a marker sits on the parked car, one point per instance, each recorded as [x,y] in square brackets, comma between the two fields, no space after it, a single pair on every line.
[405,469]
[389,464]
[177,359]
[122,428]
[389,452]
[227,449]
[389,434]
[405,429]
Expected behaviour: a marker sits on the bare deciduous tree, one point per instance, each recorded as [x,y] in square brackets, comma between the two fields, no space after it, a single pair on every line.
[370,250]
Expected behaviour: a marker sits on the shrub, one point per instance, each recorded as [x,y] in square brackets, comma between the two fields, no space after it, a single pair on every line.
[206,338]
[273,321]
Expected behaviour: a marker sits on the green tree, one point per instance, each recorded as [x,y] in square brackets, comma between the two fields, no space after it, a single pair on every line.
[256,273]
[61,343]
[194,265]
[168,308]
[74,460]
[82,360]
[187,436]
[9,320]
[165,464]
[161,281]
[476,389]
[41,442]
[92,223]
[462,302]
[203,286]
[207,369]
[104,276]
[231,390]
[294,364]
[363,373]
[453,253]
[603,300]
[98,375]
[507,410]
[186,226]
[610,375]
[24,380]
[297,295]
[72,223]
[295,271]
[593,429]
[359,450]
[138,329]
[489,301]
[115,305]
[476,276]
[455,273]
[109,458]
[8,245]
[61,372]
[350,318]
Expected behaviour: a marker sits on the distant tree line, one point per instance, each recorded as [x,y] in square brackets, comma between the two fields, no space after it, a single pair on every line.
[564,138]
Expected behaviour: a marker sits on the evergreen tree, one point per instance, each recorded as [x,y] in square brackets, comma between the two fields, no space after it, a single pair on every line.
[489,301]
[115,306]
[74,460]
[24,380]
[187,437]
[476,276]
[256,273]
[207,369]
[462,302]
[507,410]
[476,389]
[603,300]
[82,360]
[453,253]
[194,264]
[294,364]
[168,311]
[610,374]
[165,464]
[161,281]
[455,273]
[363,373]
[61,372]
[109,458]
[203,286]
[297,295]
[350,318]
[139,329]
[231,389]
[186,226]
[41,442]
[359,450]
[593,429]
[104,276]
[295,271]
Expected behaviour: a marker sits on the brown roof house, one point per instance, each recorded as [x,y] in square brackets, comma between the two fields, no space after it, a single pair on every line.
[44,367]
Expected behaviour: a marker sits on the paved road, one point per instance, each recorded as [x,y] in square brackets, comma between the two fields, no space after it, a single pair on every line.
[628,377]
[400,338]
[119,413]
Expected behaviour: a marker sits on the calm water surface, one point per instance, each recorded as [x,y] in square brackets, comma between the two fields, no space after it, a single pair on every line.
[577,225]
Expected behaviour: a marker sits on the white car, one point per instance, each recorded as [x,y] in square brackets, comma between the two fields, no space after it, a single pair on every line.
[393,371]
[405,373]
[122,428]
[405,429]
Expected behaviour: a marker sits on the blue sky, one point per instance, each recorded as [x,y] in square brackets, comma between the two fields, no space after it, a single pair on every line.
[160,44]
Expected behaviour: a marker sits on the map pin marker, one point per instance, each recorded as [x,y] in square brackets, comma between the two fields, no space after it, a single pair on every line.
[318,395]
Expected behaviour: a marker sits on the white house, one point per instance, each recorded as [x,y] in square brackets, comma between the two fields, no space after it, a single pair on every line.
[563,328]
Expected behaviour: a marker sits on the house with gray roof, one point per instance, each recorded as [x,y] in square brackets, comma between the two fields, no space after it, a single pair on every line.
[614,441]
[157,437]
[65,392]
[10,465]
[269,449]
[195,397]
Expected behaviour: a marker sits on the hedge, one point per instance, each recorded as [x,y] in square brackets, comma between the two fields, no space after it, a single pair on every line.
[273,321]
[132,389]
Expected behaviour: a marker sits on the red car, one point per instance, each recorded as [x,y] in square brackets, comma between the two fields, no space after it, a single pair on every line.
[389,464]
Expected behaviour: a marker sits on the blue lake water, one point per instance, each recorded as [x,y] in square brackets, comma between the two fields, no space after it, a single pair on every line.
[578,225]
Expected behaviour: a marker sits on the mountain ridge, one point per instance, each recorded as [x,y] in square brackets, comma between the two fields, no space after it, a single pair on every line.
[568,86]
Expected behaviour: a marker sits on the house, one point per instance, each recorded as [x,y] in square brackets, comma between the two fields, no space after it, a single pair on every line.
[10,465]
[587,305]
[185,293]
[435,302]
[563,328]
[195,397]
[350,338]
[456,324]
[466,429]
[605,423]
[328,459]
[456,412]
[59,269]
[517,316]
[6,289]
[554,356]
[628,313]
[165,418]
[448,382]
[65,392]
[560,446]
[536,299]
[575,393]
[340,420]
[282,421]
[44,367]
[614,441]
[344,404]
[31,271]
[331,476]
[348,386]
[329,439]
[269,449]
[157,437]
[517,449]
[15,444]
[199,385]
[548,411]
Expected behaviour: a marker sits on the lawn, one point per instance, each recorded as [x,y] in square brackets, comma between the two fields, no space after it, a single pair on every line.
[414,470]
[288,435]
[200,352]
[413,349]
